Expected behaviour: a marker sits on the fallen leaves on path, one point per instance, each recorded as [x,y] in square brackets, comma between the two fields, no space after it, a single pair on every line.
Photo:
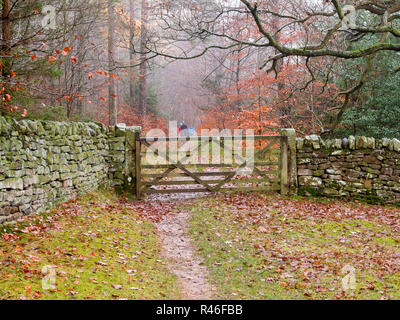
[155,210]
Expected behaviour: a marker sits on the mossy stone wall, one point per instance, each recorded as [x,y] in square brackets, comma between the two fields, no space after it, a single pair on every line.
[354,167]
[45,162]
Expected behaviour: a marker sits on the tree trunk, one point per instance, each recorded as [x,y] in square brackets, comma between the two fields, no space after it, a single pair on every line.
[111,65]
[81,102]
[143,66]
[117,83]
[6,45]
[284,107]
[132,24]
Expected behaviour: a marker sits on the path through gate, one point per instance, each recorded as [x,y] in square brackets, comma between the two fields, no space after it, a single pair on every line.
[211,164]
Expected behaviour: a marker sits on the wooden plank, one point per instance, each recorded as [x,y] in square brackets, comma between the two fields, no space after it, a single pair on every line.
[203,174]
[177,182]
[229,177]
[270,188]
[200,174]
[269,152]
[169,170]
[166,191]
[192,182]
[267,182]
[245,160]
[181,166]
[268,147]
[243,189]
[255,180]
[202,165]
[206,138]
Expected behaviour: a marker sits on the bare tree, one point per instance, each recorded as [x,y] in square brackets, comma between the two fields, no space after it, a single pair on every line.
[6,45]
[327,27]
[112,104]
[143,61]
[132,25]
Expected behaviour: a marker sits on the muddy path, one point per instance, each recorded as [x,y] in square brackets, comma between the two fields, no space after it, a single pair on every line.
[171,221]
[183,261]
[178,248]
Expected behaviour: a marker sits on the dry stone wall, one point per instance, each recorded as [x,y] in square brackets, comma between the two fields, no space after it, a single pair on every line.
[354,167]
[45,162]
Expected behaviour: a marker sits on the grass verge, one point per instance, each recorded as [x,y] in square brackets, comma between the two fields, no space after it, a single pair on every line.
[266,247]
[95,247]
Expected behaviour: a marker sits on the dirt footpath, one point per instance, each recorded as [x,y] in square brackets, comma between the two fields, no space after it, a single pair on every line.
[183,261]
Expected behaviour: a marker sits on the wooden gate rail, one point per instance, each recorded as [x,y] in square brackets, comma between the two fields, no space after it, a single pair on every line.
[218,179]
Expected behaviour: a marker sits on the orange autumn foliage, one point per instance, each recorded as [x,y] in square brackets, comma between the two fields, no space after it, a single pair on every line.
[266,104]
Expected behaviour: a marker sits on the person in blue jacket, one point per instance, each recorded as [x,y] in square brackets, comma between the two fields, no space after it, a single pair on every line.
[183,130]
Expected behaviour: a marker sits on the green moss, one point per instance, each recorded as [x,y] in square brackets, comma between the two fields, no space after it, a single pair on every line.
[333,185]
[307,191]
[327,151]
[387,241]
[127,188]
[370,197]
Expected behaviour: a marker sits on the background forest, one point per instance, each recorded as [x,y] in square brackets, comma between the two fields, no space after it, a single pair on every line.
[148,62]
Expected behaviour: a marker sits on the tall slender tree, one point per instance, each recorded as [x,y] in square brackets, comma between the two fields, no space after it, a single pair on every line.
[6,44]
[143,64]
[132,25]
[112,105]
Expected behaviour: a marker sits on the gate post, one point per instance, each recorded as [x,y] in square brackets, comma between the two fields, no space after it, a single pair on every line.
[283,166]
[138,161]
[292,158]
[130,157]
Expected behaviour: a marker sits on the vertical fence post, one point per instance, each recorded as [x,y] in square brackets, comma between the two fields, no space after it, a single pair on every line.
[283,166]
[292,158]
[138,162]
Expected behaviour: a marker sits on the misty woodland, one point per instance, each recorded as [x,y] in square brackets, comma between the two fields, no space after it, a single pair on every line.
[200,150]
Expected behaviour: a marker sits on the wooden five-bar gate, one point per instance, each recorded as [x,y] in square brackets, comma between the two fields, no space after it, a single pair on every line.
[191,167]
